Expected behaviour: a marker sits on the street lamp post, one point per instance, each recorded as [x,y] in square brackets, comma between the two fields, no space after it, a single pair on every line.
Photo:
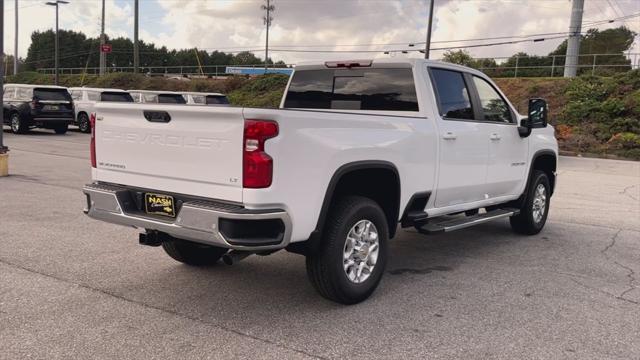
[56,4]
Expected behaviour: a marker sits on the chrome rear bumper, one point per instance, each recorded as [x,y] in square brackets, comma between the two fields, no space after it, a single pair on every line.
[196,220]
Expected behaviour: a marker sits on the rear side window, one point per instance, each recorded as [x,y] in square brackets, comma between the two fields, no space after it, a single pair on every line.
[356,89]
[217,100]
[198,99]
[116,97]
[453,95]
[171,99]
[76,95]
[493,105]
[93,96]
[51,94]
[9,93]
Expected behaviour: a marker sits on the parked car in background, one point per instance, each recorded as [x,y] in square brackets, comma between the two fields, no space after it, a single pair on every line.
[157,97]
[200,98]
[356,148]
[85,100]
[37,106]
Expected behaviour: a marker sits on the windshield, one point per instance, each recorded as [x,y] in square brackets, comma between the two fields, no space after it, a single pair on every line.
[51,94]
[116,97]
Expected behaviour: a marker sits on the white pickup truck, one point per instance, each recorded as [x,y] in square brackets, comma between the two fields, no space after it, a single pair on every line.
[355,148]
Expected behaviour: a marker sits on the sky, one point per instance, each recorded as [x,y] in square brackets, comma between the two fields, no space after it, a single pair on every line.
[337,25]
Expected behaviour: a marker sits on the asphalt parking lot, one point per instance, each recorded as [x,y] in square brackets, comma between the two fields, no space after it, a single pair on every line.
[71,287]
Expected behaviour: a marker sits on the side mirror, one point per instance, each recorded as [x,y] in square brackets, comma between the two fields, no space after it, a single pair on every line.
[538,113]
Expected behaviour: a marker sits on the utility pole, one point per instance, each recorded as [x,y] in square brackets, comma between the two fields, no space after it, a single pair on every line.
[103,55]
[427,47]
[573,43]
[3,149]
[136,49]
[267,21]
[15,43]
[57,5]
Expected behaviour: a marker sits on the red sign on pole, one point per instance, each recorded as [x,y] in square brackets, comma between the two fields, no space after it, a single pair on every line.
[105,48]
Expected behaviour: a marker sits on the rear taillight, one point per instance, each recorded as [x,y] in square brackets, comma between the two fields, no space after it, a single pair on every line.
[257,164]
[92,122]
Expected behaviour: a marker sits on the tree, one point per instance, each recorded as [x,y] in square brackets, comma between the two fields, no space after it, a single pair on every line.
[460,57]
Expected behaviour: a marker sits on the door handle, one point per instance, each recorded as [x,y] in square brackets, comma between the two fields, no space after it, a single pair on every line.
[449,136]
[494,137]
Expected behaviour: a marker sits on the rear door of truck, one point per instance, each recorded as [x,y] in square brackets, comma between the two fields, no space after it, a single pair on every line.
[171,148]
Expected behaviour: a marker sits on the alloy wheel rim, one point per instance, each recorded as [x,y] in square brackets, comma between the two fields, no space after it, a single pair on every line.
[539,203]
[361,250]
[15,123]
[84,124]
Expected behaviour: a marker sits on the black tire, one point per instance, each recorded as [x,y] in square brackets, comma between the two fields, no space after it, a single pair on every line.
[83,123]
[17,123]
[527,222]
[61,129]
[192,253]
[325,267]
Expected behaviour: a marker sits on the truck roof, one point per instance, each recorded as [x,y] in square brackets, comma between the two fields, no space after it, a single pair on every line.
[202,93]
[381,63]
[96,89]
[154,92]
[35,86]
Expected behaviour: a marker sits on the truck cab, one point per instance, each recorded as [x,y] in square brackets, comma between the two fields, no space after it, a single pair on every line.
[86,98]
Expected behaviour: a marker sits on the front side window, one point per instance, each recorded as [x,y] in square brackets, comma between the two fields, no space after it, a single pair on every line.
[355,89]
[452,93]
[494,107]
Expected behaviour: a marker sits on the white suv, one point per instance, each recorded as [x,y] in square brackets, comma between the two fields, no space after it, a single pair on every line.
[157,97]
[85,100]
[200,98]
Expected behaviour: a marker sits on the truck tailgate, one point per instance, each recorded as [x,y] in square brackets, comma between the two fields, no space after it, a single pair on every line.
[197,152]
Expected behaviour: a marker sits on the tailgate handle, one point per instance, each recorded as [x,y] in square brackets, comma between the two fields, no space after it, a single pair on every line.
[157,116]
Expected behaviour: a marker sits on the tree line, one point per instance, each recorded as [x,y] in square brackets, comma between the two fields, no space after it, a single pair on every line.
[612,42]
[76,50]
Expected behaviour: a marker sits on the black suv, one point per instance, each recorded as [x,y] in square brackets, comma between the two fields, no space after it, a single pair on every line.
[29,106]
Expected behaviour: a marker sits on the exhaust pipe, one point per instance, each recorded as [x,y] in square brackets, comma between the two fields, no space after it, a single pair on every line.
[235,256]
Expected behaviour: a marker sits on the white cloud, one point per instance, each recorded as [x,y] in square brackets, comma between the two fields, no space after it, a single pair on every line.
[231,25]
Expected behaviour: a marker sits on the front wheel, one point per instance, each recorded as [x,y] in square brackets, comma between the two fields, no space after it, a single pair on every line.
[533,213]
[192,253]
[18,125]
[83,123]
[351,260]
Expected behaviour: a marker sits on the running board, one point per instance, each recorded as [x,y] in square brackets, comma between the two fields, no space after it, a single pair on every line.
[449,224]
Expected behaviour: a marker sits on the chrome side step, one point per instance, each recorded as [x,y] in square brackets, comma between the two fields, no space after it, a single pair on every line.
[447,224]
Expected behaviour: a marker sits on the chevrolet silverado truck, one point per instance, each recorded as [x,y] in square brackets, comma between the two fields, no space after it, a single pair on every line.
[356,148]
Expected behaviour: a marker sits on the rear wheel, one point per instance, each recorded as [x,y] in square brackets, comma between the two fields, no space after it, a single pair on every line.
[352,257]
[18,125]
[192,253]
[533,213]
[61,129]
[83,123]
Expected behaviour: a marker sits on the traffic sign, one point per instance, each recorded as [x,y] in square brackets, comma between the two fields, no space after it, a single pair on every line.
[106,48]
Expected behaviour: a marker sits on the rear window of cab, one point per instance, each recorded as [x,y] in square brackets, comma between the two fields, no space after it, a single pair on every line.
[379,89]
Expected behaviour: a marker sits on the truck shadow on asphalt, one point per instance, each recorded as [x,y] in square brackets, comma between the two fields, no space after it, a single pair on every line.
[280,279]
